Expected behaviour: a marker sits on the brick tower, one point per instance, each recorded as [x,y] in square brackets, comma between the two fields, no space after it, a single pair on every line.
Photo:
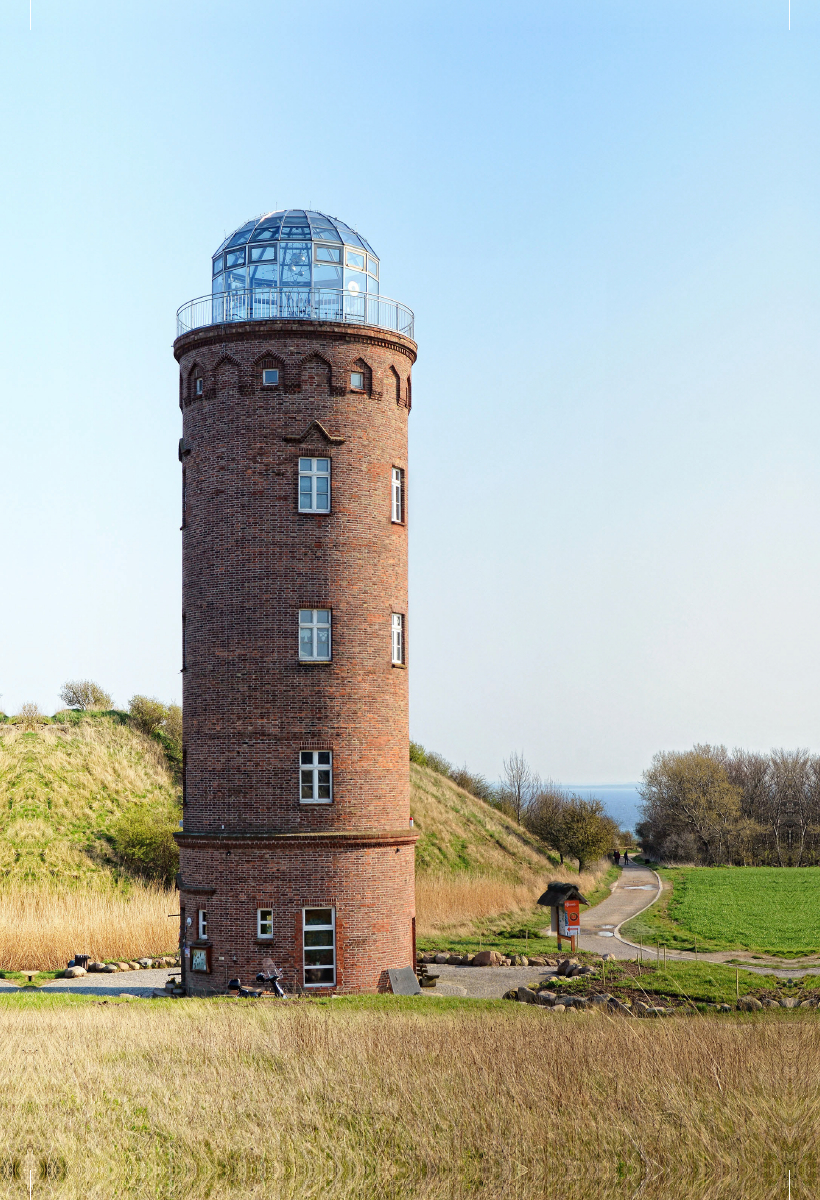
[295,391]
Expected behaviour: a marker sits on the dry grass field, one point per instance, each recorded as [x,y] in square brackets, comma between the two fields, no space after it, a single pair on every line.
[42,928]
[449,903]
[400,1098]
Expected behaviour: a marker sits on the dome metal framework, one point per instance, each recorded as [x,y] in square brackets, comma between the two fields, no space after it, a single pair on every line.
[295,248]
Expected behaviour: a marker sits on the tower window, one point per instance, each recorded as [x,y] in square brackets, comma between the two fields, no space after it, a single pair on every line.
[355,259]
[398,639]
[202,925]
[315,777]
[314,485]
[270,377]
[397,496]
[264,922]
[198,387]
[319,943]
[357,381]
[314,634]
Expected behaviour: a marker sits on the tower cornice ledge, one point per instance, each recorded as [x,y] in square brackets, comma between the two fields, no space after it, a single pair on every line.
[252,331]
[347,837]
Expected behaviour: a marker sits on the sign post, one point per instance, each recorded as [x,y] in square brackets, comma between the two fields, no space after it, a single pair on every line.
[565,901]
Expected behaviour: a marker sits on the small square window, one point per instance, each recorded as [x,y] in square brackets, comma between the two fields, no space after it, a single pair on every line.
[372,266]
[263,253]
[314,634]
[235,258]
[202,925]
[218,262]
[270,377]
[198,387]
[355,259]
[357,380]
[319,946]
[264,922]
[398,639]
[315,777]
[397,496]
[314,485]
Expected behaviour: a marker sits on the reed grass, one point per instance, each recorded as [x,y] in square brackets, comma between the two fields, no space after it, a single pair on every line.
[448,903]
[42,928]
[396,1098]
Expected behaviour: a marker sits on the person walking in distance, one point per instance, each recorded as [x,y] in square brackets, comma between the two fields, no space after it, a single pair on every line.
[626,859]
[616,855]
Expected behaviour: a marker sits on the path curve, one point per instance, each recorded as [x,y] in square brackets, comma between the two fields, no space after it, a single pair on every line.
[637,889]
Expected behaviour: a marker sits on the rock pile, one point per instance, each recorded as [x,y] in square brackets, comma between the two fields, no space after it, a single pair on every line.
[108,968]
[491,958]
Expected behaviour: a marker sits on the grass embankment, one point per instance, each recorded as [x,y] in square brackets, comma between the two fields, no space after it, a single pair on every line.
[763,910]
[61,890]
[397,1097]
[478,873]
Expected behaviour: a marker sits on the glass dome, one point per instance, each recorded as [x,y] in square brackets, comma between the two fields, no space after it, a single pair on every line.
[295,248]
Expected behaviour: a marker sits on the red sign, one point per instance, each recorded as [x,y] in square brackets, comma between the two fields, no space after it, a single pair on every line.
[573,910]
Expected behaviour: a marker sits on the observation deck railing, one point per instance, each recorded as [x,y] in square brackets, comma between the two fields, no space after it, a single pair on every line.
[295,304]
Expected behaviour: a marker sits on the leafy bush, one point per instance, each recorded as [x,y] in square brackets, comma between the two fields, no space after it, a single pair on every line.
[143,840]
[163,722]
[85,694]
[476,785]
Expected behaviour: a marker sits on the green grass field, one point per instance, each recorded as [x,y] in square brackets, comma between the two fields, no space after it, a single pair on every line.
[764,910]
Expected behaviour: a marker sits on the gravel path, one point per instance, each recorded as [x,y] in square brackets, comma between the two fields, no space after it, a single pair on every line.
[126,983]
[482,983]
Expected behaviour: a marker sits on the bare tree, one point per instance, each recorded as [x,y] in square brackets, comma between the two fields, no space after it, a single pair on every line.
[85,694]
[520,784]
[29,714]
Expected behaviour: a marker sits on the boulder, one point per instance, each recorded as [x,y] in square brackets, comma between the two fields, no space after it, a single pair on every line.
[110,968]
[135,966]
[74,972]
[506,962]
[558,1008]
[749,1004]
[576,1001]
[789,1002]
[441,959]
[547,998]
[808,1004]
[95,966]
[487,958]
[146,962]
[618,1006]
[512,994]
[566,965]
[525,962]
[770,1004]
[724,1008]
[538,962]
[601,999]
[607,958]
[527,996]
[429,957]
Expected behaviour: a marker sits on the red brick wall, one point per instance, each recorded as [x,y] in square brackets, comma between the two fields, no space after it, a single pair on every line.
[250,561]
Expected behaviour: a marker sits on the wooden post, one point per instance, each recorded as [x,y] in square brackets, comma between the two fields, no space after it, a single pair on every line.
[737,982]
[696,949]
[657,954]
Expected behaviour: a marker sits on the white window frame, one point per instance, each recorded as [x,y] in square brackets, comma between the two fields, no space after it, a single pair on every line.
[309,618]
[202,924]
[314,474]
[313,767]
[397,639]
[397,500]
[350,253]
[305,928]
[264,917]
[270,382]
[357,387]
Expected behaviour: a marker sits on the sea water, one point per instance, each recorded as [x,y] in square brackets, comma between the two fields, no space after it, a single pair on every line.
[621,800]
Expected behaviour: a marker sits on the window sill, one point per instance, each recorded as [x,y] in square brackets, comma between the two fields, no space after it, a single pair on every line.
[315,662]
[315,803]
[399,666]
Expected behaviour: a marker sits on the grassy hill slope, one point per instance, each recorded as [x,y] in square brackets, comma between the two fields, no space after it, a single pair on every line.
[62,787]
[459,832]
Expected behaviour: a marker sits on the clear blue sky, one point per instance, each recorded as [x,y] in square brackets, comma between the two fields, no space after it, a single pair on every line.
[605,216]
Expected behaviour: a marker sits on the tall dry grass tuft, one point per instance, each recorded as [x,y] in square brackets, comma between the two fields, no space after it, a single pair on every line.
[451,903]
[410,1099]
[43,928]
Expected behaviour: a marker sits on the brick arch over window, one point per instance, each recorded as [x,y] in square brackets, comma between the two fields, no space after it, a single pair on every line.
[265,362]
[315,375]
[196,372]
[361,365]
[226,374]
